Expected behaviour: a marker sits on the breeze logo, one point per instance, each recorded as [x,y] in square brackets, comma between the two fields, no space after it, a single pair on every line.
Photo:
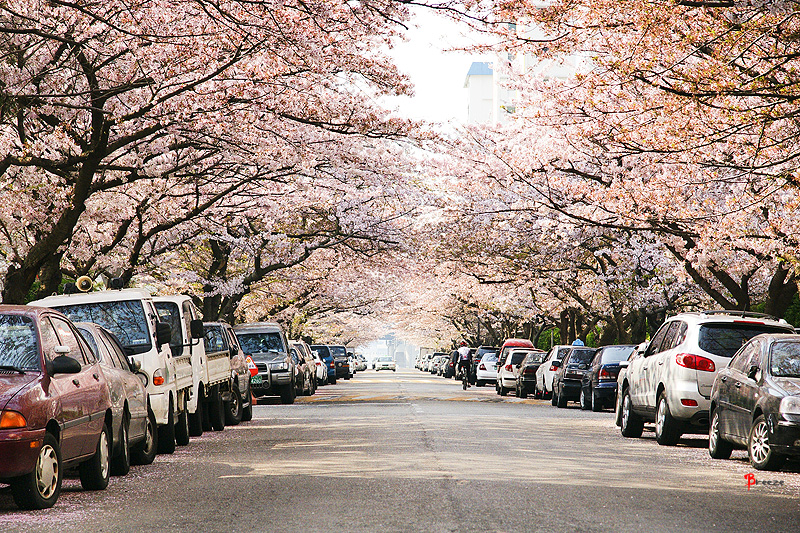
[750,480]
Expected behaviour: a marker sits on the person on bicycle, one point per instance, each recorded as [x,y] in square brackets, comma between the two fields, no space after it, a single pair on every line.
[465,360]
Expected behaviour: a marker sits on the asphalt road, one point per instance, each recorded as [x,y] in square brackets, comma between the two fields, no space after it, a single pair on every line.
[407,451]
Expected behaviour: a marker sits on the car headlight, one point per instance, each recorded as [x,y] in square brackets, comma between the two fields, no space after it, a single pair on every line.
[790,408]
[279,366]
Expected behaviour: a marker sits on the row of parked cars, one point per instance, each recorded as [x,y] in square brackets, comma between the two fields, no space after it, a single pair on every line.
[98,381]
[732,375]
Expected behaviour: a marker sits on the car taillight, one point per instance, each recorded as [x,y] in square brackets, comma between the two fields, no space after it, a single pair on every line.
[695,362]
[553,368]
[605,374]
[451,363]
[482,367]
[509,368]
[333,364]
[158,378]
[529,370]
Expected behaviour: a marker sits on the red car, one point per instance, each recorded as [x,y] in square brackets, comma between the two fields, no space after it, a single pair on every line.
[54,407]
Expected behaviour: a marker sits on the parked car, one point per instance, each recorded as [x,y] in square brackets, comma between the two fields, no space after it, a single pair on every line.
[385,363]
[220,337]
[305,370]
[130,423]
[325,354]
[339,354]
[547,370]
[486,371]
[755,402]
[321,369]
[671,384]
[55,407]
[478,355]
[448,369]
[526,374]
[599,387]
[432,368]
[266,344]
[507,373]
[569,376]
[508,345]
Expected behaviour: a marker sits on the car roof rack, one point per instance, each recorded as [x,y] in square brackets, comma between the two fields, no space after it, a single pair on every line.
[743,314]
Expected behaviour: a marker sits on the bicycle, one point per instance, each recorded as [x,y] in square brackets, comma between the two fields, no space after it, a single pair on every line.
[464,377]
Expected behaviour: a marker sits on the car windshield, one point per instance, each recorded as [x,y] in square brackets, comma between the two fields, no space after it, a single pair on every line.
[125,319]
[536,357]
[581,356]
[785,359]
[518,357]
[168,312]
[490,357]
[261,342]
[321,350]
[725,340]
[615,354]
[561,353]
[385,359]
[18,346]
[338,351]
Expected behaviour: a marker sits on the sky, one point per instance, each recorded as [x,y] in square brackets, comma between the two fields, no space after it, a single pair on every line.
[438,75]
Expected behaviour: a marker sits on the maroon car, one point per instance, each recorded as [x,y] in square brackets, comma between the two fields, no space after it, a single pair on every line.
[54,407]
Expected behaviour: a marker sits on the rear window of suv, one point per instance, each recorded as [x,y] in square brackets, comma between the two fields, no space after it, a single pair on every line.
[725,340]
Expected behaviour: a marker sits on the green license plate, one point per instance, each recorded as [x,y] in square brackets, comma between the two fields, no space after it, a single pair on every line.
[256,380]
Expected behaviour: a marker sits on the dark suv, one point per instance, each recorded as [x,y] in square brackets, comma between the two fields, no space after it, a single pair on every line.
[266,344]
[569,376]
[341,361]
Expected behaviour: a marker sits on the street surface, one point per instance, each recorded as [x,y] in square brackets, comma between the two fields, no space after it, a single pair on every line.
[408,451]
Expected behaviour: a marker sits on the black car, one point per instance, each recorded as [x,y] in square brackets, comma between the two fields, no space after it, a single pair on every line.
[755,402]
[567,382]
[600,382]
[341,361]
[448,369]
[526,377]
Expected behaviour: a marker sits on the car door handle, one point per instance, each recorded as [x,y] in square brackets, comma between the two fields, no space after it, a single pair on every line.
[76,382]
[723,379]
[96,377]
[738,384]
[661,363]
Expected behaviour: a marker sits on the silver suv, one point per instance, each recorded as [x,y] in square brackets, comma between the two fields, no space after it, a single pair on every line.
[266,344]
[670,382]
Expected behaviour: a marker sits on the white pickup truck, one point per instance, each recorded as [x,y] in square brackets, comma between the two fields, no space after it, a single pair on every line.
[210,372]
[130,314]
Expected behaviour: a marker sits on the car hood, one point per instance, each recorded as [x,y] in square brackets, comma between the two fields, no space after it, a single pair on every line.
[11,384]
[790,385]
[267,357]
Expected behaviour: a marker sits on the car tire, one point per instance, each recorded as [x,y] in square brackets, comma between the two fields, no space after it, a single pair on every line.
[523,392]
[632,424]
[597,403]
[206,412]
[668,430]
[761,454]
[182,426]
[516,390]
[196,418]
[247,412]
[166,433]
[553,399]
[718,448]
[233,408]
[503,391]
[479,383]
[216,409]
[332,381]
[40,489]
[145,452]
[584,400]
[95,472]
[561,402]
[287,395]
[121,464]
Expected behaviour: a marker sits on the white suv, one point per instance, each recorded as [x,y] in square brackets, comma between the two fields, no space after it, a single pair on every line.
[670,383]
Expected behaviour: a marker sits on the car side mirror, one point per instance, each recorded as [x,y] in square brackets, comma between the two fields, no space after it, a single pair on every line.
[556,364]
[163,333]
[752,372]
[63,365]
[196,329]
[135,365]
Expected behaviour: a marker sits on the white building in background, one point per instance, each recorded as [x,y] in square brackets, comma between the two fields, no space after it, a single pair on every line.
[489,101]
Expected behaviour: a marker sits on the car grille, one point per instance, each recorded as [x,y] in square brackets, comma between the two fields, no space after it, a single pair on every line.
[262,367]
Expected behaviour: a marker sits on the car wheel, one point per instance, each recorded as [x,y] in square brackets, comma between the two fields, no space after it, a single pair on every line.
[668,430]
[166,433]
[562,400]
[632,424]
[597,403]
[718,448]
[761,454]
[332,381]
[40,488]
[553,398]
[216,409]
[247,412]
[479,383]
[205,414]
[121,464]
[196,418]
[182,426]
[145,452]
[95,472]
[516,390]
[287,395]
[503,391]
[523,393]
[584,400]
[233,408]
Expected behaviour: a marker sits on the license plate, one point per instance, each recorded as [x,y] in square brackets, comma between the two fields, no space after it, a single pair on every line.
[256,380]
